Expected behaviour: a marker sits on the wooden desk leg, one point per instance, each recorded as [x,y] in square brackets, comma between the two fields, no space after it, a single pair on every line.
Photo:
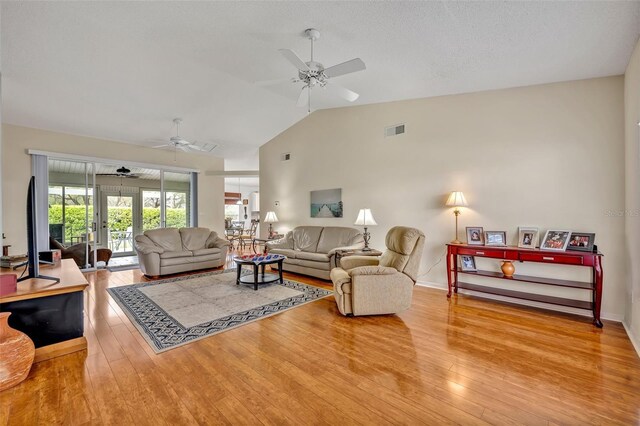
[597,291]
[455,272]
[449,273]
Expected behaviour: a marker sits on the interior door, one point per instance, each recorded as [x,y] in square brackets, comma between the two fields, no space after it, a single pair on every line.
[120,222]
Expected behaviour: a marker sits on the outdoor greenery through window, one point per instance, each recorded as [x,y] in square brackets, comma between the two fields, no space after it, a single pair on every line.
[176,209]
[68,205]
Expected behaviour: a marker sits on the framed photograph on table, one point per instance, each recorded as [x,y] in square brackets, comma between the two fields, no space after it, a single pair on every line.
[581,241]
[468,263]
[555,240]
[495,238]
[527,237]
[475,235]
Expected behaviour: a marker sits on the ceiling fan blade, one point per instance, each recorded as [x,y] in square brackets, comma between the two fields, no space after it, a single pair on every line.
[343,92]
[162,146]
[182,148]
[303,99]
[345,68]
[275,82]
[291,56]
[196,147]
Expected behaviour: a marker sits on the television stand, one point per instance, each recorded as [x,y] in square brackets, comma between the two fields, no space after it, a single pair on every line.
[50,313]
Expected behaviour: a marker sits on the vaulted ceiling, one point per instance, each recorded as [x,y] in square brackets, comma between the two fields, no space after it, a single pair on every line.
[124,70]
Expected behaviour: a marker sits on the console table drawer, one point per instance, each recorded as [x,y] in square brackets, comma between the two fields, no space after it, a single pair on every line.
[551,258]
[497,253]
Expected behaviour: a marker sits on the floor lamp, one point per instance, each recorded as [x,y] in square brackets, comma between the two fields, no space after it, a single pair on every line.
[456,199]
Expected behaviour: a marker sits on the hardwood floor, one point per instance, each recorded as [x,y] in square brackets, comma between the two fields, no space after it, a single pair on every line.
[464,361]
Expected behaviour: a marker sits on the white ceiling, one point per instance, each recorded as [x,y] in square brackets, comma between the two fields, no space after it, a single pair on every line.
[124,70]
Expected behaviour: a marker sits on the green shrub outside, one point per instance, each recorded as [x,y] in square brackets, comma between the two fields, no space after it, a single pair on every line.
[119,218]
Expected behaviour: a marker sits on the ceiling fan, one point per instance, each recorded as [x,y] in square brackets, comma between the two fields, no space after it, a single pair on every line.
[122,172]
[177,142]
[314,74]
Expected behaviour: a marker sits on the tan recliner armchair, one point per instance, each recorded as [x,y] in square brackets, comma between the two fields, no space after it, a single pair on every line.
[366,285]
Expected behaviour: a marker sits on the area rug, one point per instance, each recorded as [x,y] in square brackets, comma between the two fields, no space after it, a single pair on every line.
[176,311]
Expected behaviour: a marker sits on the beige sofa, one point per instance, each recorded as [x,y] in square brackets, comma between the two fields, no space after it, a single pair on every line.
[366,285]
[311,250]
[170,250]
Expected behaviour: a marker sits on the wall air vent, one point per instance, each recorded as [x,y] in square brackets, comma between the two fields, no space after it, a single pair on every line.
[395,130]
[286,156]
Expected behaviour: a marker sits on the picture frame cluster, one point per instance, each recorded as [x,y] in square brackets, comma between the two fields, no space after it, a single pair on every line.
[529,238]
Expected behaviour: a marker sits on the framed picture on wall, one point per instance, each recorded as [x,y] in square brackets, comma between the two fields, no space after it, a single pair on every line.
[468,263]
[475,235]
[527,237]
[326,203]
[581,241]
[495,238]
[555,240]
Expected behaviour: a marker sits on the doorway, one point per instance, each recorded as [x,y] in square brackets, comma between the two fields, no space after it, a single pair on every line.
[119,222]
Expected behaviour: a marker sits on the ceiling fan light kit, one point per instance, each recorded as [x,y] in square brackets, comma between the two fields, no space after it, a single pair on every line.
[314,74]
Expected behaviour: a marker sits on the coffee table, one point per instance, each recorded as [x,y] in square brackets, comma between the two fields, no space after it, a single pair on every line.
[259,262]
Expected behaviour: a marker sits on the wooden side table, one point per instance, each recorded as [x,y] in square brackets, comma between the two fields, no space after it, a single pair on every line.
[344,253]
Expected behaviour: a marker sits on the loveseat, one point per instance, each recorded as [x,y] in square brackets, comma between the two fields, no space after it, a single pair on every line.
[171,250]
[311,250]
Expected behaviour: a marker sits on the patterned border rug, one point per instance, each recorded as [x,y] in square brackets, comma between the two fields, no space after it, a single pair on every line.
[176,311]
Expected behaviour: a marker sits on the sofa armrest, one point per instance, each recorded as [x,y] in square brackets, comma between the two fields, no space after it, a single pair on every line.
[218,243]
[339,277]
[350,262]
[283,243]
[372,270]
[144,245]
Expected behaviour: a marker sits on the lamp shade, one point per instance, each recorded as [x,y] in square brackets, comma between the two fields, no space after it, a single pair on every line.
[271,217]
[365,218]
[456,199]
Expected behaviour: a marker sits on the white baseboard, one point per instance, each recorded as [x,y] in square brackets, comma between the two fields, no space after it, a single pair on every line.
[634,341]
[604,315]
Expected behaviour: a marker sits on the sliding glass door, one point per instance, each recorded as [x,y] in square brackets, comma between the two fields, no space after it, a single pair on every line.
[72,211]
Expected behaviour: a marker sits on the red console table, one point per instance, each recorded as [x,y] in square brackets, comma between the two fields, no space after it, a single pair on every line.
[576,258]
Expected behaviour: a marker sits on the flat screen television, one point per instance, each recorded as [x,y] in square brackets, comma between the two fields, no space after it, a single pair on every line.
[33,270]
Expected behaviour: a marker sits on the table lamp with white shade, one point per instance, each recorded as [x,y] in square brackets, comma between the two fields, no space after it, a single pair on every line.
[456,199]
[271,218]
[365,218]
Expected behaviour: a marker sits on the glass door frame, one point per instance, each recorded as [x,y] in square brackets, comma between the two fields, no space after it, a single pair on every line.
[136,219]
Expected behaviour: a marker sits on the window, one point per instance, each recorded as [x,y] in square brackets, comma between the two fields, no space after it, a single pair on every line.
[232,212]
[68,206]
[150,210]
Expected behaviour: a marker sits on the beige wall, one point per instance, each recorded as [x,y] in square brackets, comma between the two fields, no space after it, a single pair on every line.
[16,169]
[550,156]
[632,196]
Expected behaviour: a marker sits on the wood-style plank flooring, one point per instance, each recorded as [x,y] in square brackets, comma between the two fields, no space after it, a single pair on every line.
[464,361]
